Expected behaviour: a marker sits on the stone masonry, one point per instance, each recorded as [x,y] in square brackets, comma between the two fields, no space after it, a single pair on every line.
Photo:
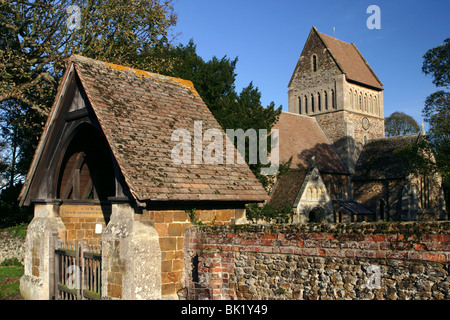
[385,261]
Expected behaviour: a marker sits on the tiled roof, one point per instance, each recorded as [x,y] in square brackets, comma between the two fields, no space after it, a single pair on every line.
[302,138]
[287,188]
[378,159]
[353,207]
[351,61]
[138,111]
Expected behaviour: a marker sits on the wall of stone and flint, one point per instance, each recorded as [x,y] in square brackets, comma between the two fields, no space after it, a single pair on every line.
[408,260]
[11,247]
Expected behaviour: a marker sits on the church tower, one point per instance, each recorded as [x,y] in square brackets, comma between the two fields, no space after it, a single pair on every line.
[333,83]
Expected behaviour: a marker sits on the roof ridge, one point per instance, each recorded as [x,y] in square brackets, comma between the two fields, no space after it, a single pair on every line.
[298,115]
[320,35]
[137,72]
[410,135]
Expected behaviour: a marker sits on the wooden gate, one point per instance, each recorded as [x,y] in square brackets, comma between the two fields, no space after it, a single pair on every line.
[77,271]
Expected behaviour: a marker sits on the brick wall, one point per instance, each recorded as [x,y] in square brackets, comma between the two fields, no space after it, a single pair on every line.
[171,226]
[80,222]
[393,260]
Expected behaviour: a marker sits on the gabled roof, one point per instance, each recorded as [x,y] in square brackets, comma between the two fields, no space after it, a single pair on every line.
[287,188]
[138,112]
[350,61]
[302,138]
[378,159]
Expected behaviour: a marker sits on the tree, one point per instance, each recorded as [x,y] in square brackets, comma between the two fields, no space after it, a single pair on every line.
[437,109]
[399,123]
[37,37]
[36,40]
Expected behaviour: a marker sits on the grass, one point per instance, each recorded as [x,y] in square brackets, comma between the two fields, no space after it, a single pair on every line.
[10,273]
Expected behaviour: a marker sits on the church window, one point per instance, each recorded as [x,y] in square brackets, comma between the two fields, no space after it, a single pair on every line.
[376,106]
[309,193]
[333,99]
[314,63]
[312,103]
[299,105]
[381,209]
[306,104]
[326,100]
[351,99]
[319,105]
[425,192]
[360,102]
[365,103]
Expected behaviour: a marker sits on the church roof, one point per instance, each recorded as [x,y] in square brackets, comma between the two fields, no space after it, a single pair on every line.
[287,188]
[379,159]
[350,61]
[353,206]
[138,112]
[302,138]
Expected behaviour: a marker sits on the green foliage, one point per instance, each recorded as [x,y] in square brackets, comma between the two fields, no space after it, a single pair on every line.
[399,123]
[14,262]
[269,214]
[193,218]
[18,231]
[35,42]
[419,157]
[437,109]
[11,214]
[10,281]
[437,64]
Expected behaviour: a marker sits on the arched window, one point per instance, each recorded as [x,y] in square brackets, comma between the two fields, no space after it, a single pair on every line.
[333,99]
[381,209]
[314,196]
[360,102]
[319,104]
[309,193]
[87,171]
[312,103]
[299,105]
[314,63]
[370,104]
[351,99]
[306,104]
[326,100]
[365,102]
[377,110]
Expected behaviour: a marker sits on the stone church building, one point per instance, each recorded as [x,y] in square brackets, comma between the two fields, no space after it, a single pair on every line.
[343,168]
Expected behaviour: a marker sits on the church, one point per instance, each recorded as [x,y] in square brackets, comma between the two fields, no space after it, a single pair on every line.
[343,168]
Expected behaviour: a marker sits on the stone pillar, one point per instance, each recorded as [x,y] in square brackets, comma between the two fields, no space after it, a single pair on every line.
[131,257]
[37,281]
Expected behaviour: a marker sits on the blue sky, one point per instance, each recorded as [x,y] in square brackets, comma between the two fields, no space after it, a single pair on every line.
[268,36]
